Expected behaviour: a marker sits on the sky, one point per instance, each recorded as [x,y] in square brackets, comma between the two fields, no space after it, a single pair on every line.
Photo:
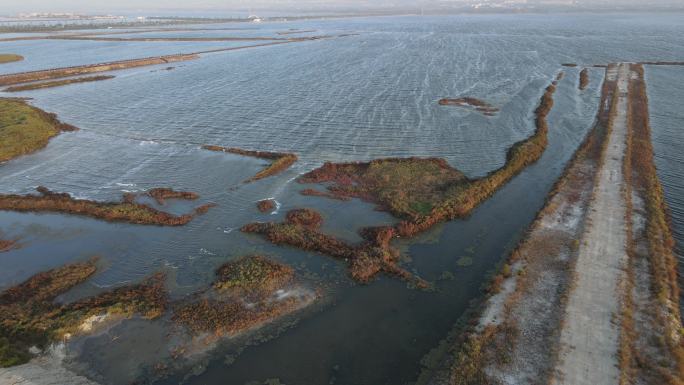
[91,6]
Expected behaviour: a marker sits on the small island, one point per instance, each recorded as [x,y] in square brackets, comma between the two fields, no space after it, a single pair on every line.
[126,210]
[477,104]
[247,292]
[266,205]
[10,58]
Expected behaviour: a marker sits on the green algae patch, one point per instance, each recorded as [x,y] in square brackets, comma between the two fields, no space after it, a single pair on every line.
[124,211]
[280,161]
[30,317]
[25,129]
[57,83]
[465,261]
[10,58]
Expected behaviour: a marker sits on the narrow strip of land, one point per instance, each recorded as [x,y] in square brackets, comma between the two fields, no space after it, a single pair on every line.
[589,338]
[58,73]
[516,338]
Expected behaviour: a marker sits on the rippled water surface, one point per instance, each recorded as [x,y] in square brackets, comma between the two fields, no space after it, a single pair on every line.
[349,98]
[667,120]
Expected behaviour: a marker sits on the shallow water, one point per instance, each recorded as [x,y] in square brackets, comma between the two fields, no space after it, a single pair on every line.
[353,98]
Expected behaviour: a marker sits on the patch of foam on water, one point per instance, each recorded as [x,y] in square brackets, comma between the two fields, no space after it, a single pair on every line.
[226,230]
[89,323]
[81,196]
[148,142]
[206,252]
[277,208]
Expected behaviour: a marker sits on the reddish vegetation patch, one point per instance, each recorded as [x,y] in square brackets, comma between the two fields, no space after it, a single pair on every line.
[224,310]
[654,343]
[584,79]
[406,187]
[305,217]
[7,245]
[479,105]
[162,194]
[125,211]
[280,161]
[316,193]
[254,275]
[266,205]
[366,260]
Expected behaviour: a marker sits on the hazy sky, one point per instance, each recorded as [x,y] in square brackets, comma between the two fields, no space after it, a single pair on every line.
[15,6]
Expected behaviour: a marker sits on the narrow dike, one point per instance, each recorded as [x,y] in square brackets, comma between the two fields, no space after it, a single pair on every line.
[589,338]
[515,336]
[590,295]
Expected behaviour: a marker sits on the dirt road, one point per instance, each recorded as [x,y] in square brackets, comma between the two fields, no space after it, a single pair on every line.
[590,335]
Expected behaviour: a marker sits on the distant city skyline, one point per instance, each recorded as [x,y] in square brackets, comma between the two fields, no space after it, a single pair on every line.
[95,6]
